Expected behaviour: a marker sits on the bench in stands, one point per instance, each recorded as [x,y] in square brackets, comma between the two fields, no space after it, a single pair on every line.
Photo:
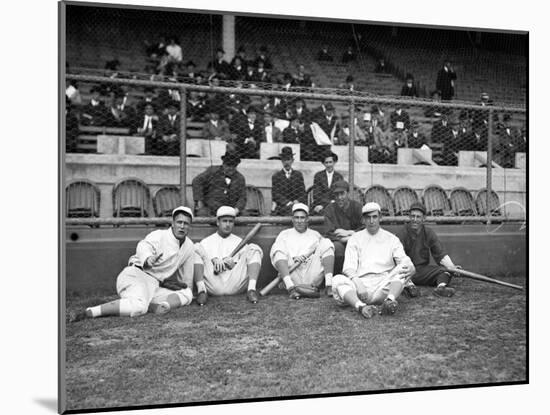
[93,129]
[117,144]
[473,159]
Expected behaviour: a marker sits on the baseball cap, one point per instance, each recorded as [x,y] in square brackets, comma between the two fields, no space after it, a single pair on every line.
[371,207]
[418,206]
[340,185]
[183,209]
[300,206]
[225,211]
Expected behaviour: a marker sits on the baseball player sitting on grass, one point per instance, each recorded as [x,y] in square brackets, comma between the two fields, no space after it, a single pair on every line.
[216,272]
[420,242]
[158,277]
[375,268]
[307,247]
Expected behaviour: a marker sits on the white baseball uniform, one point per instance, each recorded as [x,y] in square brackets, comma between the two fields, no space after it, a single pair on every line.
[231,281]
[137,287]
[290,243]
[378,255]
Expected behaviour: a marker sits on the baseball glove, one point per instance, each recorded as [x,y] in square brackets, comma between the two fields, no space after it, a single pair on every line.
[308,291]
[173,285]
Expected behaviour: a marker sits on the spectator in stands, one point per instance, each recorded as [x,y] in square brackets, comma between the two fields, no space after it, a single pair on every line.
[155,50]
[445,81]
[238,69]
[476,140]
[323,181]
[95,112]
[220,66]
[174,50]
[263,56]
[451,144]
[348,84]
[148,98]
[294,132]
[287,186]
[237,106]
[218,102]
[169,131]
[249,135]
[321,111]
[505,149]
[481,116]
[342,220]
[409,89]
[72,92]
[349,55]
[381,66]
[378,117]
[399,120]
[112,66]
[372,132]
[324,55]
[415,138]
[250,74]
[344,132]
[241,54]
[120,114]
[220,186]
[301,111]
[271,133]
[435,110]
[216,129]
[440,129]
[196,107]
[147,127]
[71,127]
[190,71]
[262,74]
[521,142]
[328,121]
[301,79]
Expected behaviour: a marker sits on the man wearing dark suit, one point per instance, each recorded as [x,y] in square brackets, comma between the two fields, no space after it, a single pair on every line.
[323,181]
[292,133]
[120,114]
[149,98]
[197,108]
[327,120]
[147,127]
[440,129]
[95,112]
[169,131]
[249,134]
[415,138]
[287,186]
[262,56]
[445,81]
[220,186]
[220,65]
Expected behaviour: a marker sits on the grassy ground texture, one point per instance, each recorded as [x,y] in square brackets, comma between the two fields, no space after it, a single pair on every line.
[231,349]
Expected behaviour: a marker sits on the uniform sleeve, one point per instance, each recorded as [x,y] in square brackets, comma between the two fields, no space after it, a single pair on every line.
[436,248]
[148,246]
[351,258]
[279,245]
[398,252]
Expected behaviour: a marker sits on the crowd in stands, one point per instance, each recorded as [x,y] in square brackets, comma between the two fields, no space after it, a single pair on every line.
[244,124]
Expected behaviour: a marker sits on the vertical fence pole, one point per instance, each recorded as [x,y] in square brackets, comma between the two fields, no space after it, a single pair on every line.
[489,165]
[351,162]
[183,147]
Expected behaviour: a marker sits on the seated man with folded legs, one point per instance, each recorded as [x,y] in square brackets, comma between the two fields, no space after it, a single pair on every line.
[421,242]
[375,268]
[158,277]
[304,246]
[218,273]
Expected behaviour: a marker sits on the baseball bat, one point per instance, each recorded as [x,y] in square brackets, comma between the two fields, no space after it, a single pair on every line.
[246,239]
[480,277]
[293,268]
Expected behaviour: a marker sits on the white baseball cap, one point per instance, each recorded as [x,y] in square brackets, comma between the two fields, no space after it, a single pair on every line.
[225,211]
[371,207]
[183,209]
[300,206]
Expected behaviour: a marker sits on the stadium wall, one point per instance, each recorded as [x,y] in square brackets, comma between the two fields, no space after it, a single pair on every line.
[95,256]
[105,170]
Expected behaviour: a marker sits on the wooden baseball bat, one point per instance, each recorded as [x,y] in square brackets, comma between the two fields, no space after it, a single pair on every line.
[480,277]
[278,278]
[246,239]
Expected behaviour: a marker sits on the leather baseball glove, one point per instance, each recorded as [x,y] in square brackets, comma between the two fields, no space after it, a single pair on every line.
[173,284]
[308,291]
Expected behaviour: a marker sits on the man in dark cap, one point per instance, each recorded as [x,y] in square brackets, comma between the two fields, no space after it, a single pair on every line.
[342,219]
[287,186]
[421,242]
[323,181]
[220,186]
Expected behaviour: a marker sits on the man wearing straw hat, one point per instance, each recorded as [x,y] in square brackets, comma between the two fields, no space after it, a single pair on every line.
[159,275]
[375,268]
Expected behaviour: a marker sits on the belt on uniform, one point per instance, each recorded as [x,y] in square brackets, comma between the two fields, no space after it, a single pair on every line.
[138,266]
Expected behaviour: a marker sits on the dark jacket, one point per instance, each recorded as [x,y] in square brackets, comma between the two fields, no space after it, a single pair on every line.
[211,187]
[284,190]
[419,247]
[348,219]
[322,194]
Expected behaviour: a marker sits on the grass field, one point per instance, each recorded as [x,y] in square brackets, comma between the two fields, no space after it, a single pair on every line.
[230,349]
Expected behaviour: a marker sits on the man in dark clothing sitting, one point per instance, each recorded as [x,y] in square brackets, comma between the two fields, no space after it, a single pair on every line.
[287,186]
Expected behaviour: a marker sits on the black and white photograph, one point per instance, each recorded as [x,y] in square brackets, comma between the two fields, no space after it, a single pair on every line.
[284,209]
[267,207]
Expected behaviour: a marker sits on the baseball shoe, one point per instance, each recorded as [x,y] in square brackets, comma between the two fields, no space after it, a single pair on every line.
[74,316]
[252,296]
[367,311]
[444,291]
[159,308]
[411,290]
[388,307]
[293,294]
[202,297]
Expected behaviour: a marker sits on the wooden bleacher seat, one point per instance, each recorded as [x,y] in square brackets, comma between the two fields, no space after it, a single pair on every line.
[462,202]
[254,202]
[481,203]
[403,198]
[120,144]
[194,129]
[474,159]
[415,156]
[86,143]
[82,199]
[91,129]
[436,201]
[165,200]
[131,198]
[379,194]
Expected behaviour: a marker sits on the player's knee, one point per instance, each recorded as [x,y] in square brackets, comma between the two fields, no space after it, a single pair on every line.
[254,253]
[339,280]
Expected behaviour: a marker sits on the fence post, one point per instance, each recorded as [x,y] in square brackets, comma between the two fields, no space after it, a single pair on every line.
[351,162]
[489,165]
[183,147]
